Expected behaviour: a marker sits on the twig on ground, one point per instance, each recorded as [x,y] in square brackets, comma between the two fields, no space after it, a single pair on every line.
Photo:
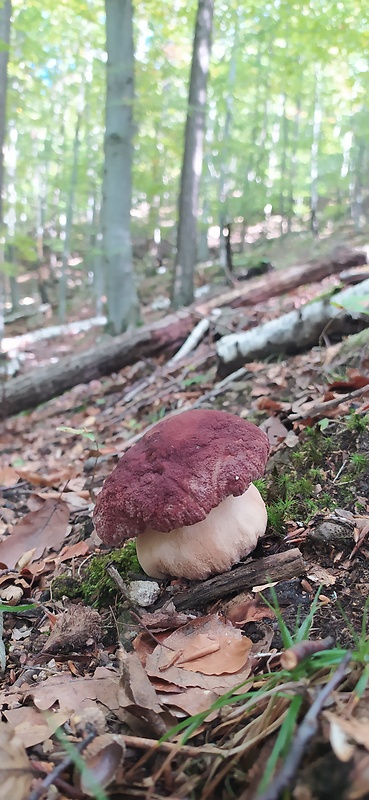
[59,769]
[192,340]
[142,743]
[295,654]
[305,732]
[321,408]
[118,580]
[219,387]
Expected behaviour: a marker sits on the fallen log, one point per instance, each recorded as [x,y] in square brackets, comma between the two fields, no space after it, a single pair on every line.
[291,332]
[279,567]
[27,391]
[258,290]
[44,383]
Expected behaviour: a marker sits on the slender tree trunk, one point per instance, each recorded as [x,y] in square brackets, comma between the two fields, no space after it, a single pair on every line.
[68,225]
[224,235]
[314,171]
[203,247]
[357,188]
[5,17]
[122,306]
[192,160]
[293,164]
[283,167]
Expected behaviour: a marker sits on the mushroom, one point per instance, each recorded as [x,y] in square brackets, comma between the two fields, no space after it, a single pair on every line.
[184,490]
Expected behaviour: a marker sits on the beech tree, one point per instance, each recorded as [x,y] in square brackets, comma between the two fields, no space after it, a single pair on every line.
[183,285]
[123,308]
[5,16]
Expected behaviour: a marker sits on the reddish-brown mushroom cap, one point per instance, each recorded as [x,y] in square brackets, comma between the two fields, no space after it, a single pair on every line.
[181,469]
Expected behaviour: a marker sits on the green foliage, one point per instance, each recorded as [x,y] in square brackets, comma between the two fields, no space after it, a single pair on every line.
[295,57]
[292,493]
[359,462]
[16,609]
[98,587]
[357,422]
[354,305]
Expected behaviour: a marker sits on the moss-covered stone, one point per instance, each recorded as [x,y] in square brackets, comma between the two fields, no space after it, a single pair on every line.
[66,586]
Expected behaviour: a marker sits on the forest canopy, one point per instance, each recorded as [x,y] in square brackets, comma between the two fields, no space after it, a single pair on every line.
[285,143]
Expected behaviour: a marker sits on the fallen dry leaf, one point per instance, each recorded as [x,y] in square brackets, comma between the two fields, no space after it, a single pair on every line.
[102,757]
[275,430]
[209,645]
[33,727]
[193,701]
[73,694]
[247,607]
[40,530]
[8,477]
[56,478]
[15,770]
[356,730]
[318,574]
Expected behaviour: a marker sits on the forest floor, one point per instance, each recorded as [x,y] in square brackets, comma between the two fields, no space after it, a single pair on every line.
[73,695]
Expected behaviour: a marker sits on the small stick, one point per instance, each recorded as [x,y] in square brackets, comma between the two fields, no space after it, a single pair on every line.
[141,743]
[305,732]
[294,655]
[118,580]
[320,408]
[57,771]
[135,613]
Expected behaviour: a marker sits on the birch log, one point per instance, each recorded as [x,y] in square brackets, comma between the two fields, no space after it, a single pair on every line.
[291,332]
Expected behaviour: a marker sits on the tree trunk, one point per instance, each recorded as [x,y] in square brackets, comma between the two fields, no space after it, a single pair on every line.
[357,190]
[44,383]
[283,167]
[184,268]
[291,332]
[122,305]
[5,17]
[224,218]
[293,164]
[314,167]
[68,225]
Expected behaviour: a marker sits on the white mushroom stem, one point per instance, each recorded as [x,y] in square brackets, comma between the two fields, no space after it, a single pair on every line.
[229,532]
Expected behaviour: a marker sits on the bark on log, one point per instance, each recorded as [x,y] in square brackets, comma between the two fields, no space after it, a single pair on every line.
[279,567]
[291,332]
[259,290]
[27,391]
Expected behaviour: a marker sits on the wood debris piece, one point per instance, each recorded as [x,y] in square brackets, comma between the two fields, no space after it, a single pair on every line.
[26,391]
[281,281]
[281,566]
[289,333]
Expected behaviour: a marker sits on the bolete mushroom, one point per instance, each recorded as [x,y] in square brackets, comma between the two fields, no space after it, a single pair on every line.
[184,490]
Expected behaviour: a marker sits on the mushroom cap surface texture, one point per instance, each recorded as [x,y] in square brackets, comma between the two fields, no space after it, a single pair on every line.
[178,472]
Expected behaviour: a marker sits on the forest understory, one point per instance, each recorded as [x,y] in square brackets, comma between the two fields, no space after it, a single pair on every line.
[86,680]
